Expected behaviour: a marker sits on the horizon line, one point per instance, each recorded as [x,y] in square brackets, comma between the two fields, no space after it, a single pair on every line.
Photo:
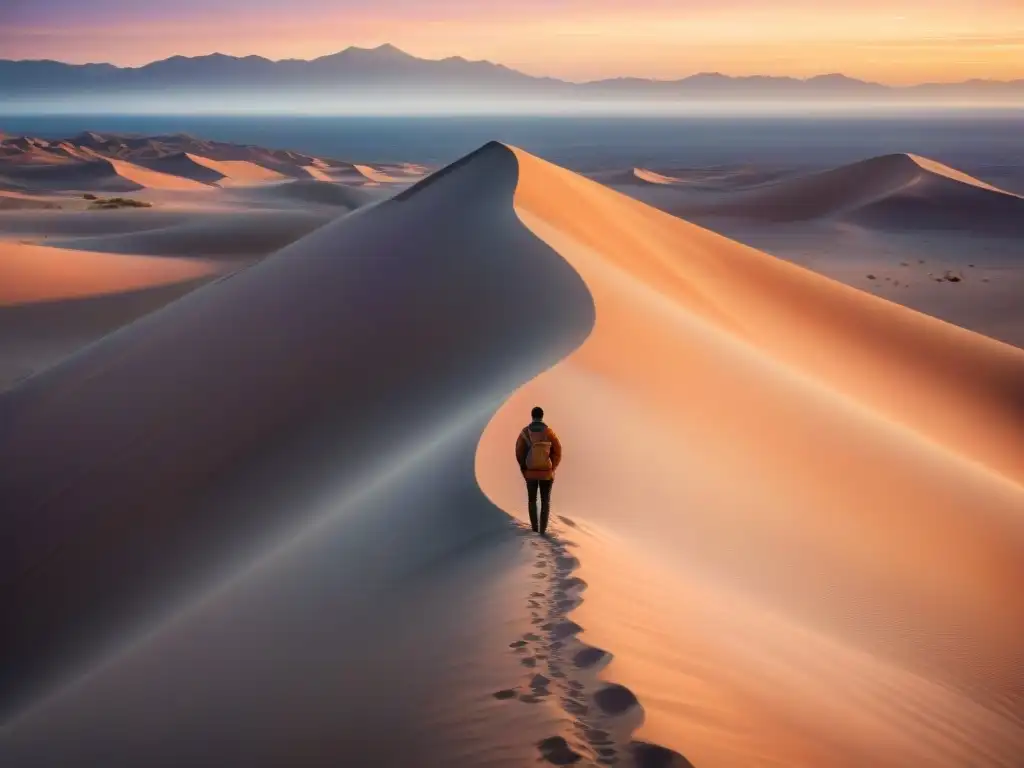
[391,46]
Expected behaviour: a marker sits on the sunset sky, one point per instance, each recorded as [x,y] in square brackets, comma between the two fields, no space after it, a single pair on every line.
[891,41]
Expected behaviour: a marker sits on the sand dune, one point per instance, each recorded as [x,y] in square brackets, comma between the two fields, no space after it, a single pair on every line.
[389,175]
[54,301]
[795,507]
[892,192]
[149,179]
[97,175]
[238,171]
[308,191]
[227,234]
[13,201]
[652,177]
[186,166]
[170,163]
[304,375]
[86,175]
[780,575]
[31,273]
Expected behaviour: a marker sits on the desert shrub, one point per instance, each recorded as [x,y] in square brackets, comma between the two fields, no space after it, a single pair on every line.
[110,203]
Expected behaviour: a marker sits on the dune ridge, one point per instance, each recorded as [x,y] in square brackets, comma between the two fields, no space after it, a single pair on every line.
[767,477]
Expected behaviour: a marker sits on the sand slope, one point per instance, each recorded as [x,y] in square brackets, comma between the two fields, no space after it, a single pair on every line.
[234,172]
[783,488]
[900,191]
[226,235]
[31,273]
[185,165]
[278,368]
[795,507]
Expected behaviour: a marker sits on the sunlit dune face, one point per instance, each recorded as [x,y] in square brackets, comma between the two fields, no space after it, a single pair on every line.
[31,273]
[902,41]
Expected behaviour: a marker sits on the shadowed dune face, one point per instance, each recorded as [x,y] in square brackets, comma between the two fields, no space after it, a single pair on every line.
[254,403]
[818,491]
[225,236]
[53,301]
[89,175]
[892,192]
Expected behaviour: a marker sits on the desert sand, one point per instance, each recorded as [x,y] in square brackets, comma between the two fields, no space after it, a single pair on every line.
[208,215]
[277,521]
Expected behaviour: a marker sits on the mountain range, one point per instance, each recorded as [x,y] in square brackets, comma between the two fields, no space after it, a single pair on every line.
[390,70]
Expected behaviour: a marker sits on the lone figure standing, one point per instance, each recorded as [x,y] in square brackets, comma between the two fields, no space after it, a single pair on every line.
[538,453]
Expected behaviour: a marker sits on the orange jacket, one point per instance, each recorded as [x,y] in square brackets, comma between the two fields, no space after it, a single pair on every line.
[538,428]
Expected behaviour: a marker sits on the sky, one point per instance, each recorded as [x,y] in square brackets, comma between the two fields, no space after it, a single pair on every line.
[889,41]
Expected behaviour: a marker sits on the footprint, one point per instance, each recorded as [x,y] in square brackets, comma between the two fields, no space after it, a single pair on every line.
[557,751]
[530,698]
[565,629]
[508,693]
[652,756]
[538,681]
[517,644]
[575,707]
[567,521]
[589,657]
[531,637]
[537,594]
[615,699]
[528,662]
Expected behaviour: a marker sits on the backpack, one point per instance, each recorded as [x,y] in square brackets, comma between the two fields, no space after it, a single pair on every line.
[538,454]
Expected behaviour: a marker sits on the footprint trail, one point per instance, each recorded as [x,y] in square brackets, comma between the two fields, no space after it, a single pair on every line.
[559,669]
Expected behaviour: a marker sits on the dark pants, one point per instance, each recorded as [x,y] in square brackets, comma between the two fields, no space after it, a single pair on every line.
[545,502]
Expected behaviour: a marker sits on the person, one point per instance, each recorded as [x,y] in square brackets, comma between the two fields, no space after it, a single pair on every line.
[538,453]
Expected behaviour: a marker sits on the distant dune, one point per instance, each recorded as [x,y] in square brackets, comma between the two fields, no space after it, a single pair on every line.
[32,273]
[893,191]
[234,172]
[11,201]
[95,162]
[184,165]
[787,525]
[230,235]
[60,289]
[316,192]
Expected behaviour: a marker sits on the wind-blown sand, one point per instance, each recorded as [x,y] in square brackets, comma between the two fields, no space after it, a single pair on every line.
[794,507]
